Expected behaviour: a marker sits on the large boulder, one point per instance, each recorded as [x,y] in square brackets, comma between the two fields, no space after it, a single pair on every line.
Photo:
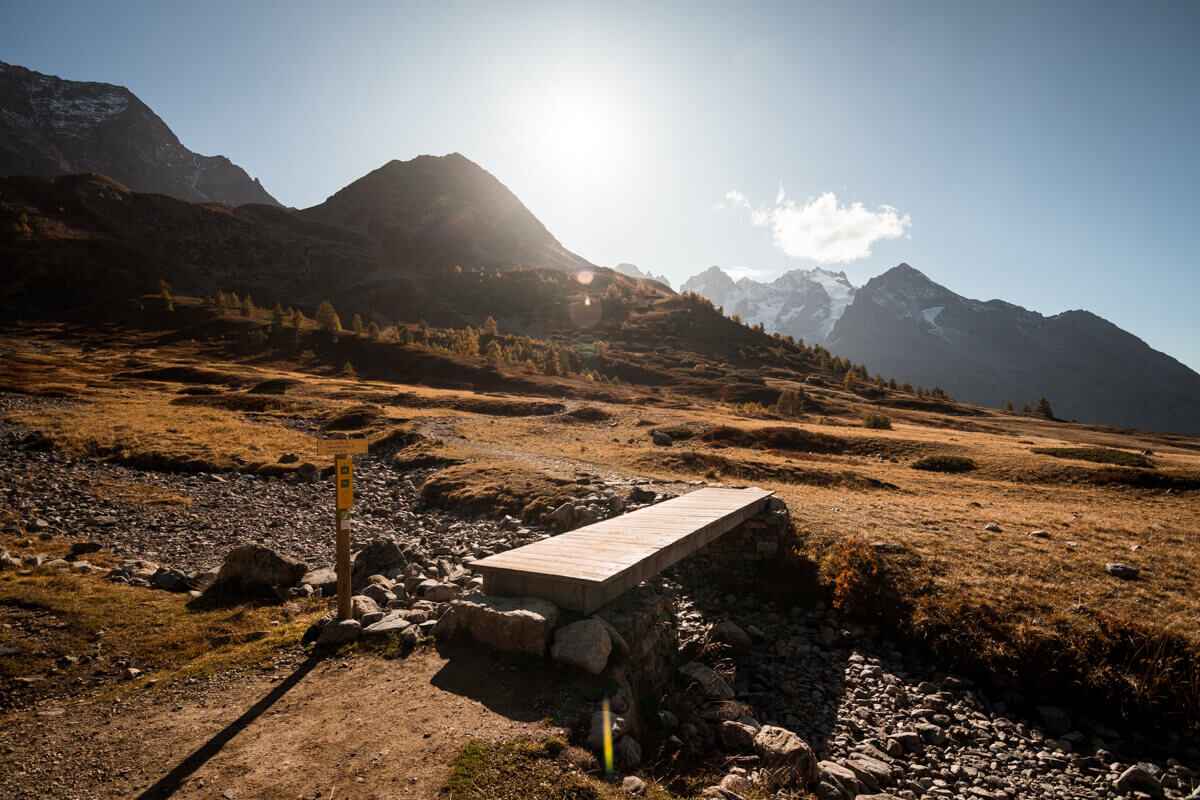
[337,632]
[584,644]
[782,750]
[512,624]
[251,570]
[376,558]
[323,578]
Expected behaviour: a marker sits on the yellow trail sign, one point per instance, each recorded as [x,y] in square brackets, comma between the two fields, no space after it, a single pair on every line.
[343,474]
[341,447]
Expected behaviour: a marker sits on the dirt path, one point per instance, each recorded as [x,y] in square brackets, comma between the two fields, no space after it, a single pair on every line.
[353,728]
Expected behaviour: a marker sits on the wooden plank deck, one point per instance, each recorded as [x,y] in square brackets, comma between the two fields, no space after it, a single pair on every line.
[585,568]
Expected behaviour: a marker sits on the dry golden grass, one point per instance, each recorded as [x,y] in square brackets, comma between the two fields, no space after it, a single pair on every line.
[143,494]
[156,630]
[492,457]
[144,429]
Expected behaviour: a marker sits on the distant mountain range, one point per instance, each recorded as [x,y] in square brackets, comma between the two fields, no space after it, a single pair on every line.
[390,242]
[50,126]
[903,325]
[633,272]
[803,304]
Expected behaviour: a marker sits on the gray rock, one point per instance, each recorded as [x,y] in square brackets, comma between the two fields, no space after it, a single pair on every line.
[251,569]
[661,439]
[737,737]
[909,741]
[446,625]
[562,517]
[832,772]
[309,472]
[361,605]
[584,644]
[1122,571]
[633,785]
[732,636]
[323,578]
[342,631]
[376,558]
[709,683]
[992,527]
[437,592]
[782,750]
[1039,534]
[379,593]
[512,624]
[1138,779]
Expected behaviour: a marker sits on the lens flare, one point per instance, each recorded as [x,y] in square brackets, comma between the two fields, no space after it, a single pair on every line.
[583,313]
[585,276]
[608,749]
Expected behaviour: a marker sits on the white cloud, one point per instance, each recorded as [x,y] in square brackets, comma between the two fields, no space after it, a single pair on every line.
[823,230]
[737,199]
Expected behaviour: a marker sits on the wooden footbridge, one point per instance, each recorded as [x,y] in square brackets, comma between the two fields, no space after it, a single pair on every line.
[585,568]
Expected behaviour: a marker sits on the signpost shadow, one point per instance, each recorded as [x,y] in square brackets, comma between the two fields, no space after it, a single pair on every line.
[174,780]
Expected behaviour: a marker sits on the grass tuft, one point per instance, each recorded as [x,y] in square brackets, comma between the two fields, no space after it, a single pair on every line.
[1099,455]
[942,463]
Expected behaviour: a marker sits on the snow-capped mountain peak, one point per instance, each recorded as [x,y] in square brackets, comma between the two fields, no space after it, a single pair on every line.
[800,303]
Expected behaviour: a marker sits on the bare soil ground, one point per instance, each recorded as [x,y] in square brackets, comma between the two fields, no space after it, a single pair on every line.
[357,726]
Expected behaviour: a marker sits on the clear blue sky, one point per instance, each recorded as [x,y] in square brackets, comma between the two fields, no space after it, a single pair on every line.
[1043,153]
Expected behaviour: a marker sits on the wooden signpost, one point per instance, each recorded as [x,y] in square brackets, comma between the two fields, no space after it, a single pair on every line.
[343,476]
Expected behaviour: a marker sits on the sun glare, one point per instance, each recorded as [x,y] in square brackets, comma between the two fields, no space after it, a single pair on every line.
[583,134]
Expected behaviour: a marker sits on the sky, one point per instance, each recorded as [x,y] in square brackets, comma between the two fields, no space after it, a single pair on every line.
[1041,153]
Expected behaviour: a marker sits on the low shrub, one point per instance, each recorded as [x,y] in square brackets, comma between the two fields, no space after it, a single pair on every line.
[877,421]
[945,464]
[1099,455]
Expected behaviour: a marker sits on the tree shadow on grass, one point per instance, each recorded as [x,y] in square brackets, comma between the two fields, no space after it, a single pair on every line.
[174,780]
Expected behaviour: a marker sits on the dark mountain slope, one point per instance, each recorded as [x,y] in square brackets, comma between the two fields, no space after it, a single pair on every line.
[50,126]
[903,324]
[443,211]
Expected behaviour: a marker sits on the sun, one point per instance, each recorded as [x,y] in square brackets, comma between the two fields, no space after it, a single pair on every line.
[583,134]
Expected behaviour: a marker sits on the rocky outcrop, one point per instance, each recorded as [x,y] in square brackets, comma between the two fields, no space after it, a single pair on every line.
[51,126]
[253,570]
[511,624]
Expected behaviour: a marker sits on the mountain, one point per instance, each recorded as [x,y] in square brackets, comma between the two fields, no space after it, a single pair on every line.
[51,126]
[632,271]
[803,304]
[442,211]
[903,324]
[389,242]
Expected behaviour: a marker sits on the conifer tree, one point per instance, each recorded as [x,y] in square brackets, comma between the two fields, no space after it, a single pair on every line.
[373,330]
[277,316]
[247,306]
[490,328]
[297,318]
[327,318]
[1008,406]
[1043,408]
[356,324]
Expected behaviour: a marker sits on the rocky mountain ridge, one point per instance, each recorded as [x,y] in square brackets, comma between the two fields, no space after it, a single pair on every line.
[633,271]
[901,324]
[803,304]
[52,126]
